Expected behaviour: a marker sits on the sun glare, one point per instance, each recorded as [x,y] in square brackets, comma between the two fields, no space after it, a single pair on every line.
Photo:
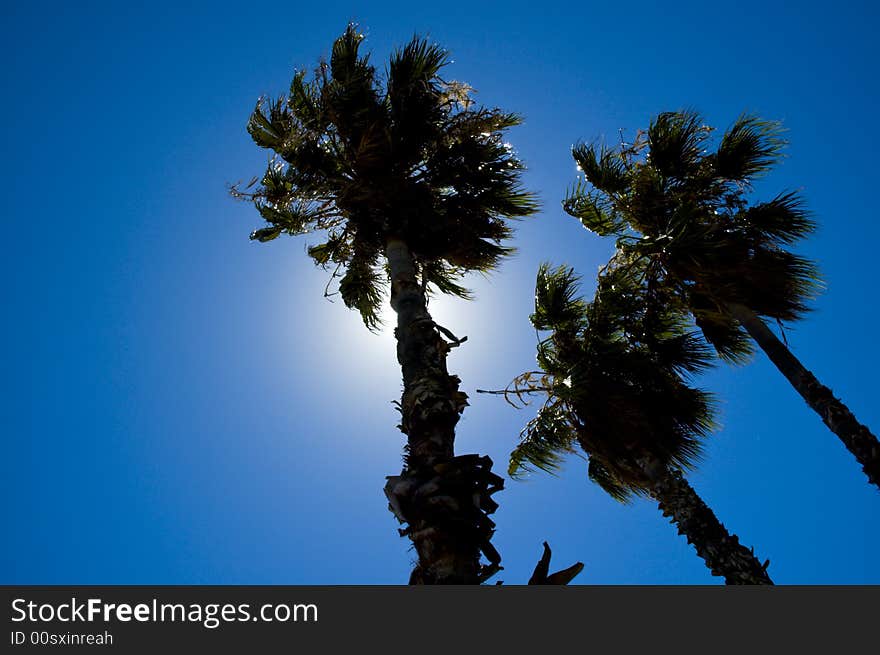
[379,346]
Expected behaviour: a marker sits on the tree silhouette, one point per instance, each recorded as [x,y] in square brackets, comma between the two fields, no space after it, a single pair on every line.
[413,186]
[613,371]
[680,206]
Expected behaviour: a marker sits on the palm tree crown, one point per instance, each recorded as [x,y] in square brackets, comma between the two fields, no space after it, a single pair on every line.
[364,158]
[680,206]
[674,199]
[614,374]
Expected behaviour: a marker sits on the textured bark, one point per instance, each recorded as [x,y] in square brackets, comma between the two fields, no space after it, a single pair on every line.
[721,551]
[443,499]
[857,438]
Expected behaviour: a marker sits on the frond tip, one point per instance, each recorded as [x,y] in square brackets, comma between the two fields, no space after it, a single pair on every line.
[544,443]
[556,301]
[603,167]
[361,289]
[783,220]
[750,147]
[608,482]
[675,139]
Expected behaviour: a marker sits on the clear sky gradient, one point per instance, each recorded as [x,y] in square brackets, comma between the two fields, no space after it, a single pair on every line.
[180,405]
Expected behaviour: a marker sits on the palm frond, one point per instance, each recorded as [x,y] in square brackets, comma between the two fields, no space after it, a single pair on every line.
[619,490]
[722,332]
[304,103]
[415,98]
[480,123]
[416,64]
[594,210]
[443,277]
[750,146]
[783,220]
[265,234]
[478,255]
[675,142]
[548,358]
[779,284]
[351,97]
[603,167]
[337,249]
[293,218]
[686,354]
[345,62]
[269,123]
[557,304]
[544,443]
[361,289]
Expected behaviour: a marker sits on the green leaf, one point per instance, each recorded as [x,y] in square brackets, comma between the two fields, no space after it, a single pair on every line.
[593,210]
[361,289]
[750,147]
[604,168]
[675,141]
[617,489]
[266,234]
[443,278]
[557,305]
[344,61]
[544,443]
[782,220]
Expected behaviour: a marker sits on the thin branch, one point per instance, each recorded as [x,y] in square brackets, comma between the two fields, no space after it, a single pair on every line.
[523,386]
[333,276]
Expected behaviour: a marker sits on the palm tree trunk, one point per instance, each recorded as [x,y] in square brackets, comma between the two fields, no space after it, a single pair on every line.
[721,551]
[857,438]
[443,499]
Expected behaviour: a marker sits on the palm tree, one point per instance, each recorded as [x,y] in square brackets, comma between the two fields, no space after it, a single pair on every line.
[413,186]
[673,201]
[612,372]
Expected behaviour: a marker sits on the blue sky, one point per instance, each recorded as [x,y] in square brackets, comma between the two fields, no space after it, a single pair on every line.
[180,405]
